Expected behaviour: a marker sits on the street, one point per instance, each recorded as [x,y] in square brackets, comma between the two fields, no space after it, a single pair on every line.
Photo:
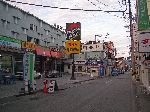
[110,94]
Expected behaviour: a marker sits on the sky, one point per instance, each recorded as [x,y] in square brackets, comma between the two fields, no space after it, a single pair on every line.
[92,23]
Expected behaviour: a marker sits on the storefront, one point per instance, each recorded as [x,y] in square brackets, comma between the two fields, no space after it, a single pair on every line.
[42,61]
[9,49]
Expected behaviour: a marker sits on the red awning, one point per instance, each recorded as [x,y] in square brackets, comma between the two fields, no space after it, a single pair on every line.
[43,52]
[47,53]
[55,54]
[39,51]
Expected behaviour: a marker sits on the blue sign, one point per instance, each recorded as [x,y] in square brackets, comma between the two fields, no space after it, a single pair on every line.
[94,62]
[101,71]
[10,44]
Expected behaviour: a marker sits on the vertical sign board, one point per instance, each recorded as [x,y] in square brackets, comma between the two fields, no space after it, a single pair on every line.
[28,63]
[143,18]
[101,71]
[144,42]
[31,69]
[25,70]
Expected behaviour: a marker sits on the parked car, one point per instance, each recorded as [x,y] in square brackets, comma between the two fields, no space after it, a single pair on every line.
[53,74]
[114,72]
[37,75]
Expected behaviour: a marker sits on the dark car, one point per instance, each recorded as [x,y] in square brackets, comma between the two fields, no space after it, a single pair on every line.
[53,74]
[114,72]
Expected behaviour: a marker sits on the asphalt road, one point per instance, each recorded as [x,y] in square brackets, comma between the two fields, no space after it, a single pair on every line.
[111,94]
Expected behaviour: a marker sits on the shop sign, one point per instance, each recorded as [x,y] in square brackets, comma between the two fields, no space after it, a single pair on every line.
[28,64]
[10,44]
[73,47]
[94,62]
[73,31]
[143,19]
[28,45]
[9,39]
[26,70]
[144,42]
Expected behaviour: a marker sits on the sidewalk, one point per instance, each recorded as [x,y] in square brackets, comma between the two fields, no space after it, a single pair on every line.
[62,82]
[142,100]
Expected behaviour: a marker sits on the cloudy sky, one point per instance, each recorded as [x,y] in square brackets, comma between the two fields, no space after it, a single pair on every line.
[92,23]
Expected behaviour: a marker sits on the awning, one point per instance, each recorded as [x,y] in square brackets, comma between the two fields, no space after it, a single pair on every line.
[55,54]
[47,53]
[40,51]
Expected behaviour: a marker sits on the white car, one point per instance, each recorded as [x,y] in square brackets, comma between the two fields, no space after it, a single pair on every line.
[37,75]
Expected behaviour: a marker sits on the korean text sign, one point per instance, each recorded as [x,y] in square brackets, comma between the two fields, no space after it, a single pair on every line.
[73,47]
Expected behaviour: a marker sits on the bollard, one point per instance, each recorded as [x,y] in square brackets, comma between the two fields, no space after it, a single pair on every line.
[45,89]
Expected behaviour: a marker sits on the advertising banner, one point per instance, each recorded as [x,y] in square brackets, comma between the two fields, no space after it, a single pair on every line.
[73,47]
[28,64]
[144,42]
[143,18]
[73,31]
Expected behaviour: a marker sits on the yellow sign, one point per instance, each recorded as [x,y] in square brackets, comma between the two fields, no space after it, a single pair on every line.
[28,45]
[73,47]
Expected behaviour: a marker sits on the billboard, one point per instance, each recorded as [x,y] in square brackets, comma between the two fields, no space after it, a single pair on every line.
[143,18]
[73,31]
[73,47]
[144,42]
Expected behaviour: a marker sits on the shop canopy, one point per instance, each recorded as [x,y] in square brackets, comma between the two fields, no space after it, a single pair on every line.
[44,52]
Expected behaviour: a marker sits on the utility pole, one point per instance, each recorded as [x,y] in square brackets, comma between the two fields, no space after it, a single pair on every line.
[73,68]
[132,40]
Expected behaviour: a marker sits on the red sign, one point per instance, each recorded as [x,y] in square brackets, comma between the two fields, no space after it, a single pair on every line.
[73,31]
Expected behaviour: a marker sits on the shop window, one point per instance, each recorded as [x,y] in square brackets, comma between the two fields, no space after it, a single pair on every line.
[79,68]
[94,71]
[6,63]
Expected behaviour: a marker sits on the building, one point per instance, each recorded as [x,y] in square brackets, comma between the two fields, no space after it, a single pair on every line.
[93,56]
[142,58]
[20,30]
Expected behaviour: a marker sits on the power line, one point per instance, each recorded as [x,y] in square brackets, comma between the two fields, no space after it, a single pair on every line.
[120,11]
[104,4]
[62,8]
